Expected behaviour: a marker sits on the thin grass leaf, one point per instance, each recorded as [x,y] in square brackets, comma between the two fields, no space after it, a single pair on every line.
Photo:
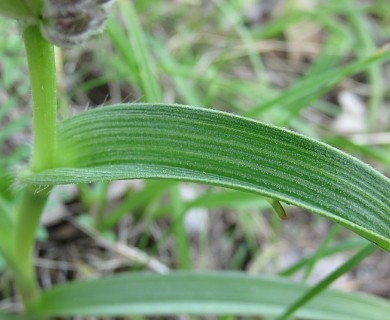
[226,199]
[124,65]
[323,284]
[335,48]
[138,49]
[366,44]
[277,27]
[179,229]
[200,145]
[151,191]
[343,246]
[310,88]
[320,251]
[183,86]
[230,14]
[201,294]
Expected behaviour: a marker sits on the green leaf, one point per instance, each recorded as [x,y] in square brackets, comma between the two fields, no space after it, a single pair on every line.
[195,293]
[213,147]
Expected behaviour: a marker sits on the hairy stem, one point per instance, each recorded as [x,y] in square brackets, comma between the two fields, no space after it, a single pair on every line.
[41,64]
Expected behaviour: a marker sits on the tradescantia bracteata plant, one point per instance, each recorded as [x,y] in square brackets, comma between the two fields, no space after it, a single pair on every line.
[184,143]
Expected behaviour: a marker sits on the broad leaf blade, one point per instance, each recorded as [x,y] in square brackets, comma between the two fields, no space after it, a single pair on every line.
[213,147]
[193,293]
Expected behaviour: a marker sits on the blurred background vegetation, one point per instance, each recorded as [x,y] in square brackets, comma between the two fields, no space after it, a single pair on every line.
[310,65]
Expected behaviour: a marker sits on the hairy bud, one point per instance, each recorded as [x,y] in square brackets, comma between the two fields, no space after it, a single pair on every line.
[71,22]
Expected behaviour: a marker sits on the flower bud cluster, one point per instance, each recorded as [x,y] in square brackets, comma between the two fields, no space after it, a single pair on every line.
[70,22]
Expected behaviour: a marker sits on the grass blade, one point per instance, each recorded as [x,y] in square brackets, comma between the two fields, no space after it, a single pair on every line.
[343,246]
[139,50]
[309,88]
[320,251]
[313,292]
[366,44]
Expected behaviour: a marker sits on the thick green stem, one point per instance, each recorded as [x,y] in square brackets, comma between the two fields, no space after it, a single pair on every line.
[28,219]
[41,64]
